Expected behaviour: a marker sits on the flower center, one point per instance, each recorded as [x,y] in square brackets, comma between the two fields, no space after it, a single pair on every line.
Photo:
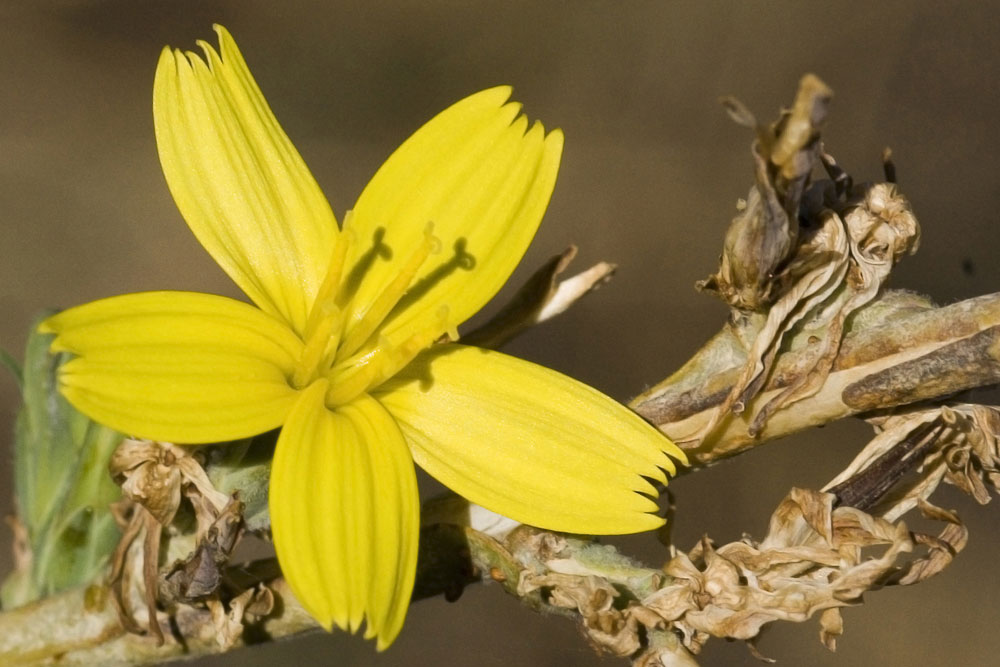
[360,358]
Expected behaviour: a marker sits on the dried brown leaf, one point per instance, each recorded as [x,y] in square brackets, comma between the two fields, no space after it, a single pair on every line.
[153,477]
[817,282]
[880,227]
[831,626]
[229,620]
[812,560]
[541,298]
[763,237]
[813,278]
[941,549]
[738,112]
[593,598]
[965,454]
[664,649]
[149,476]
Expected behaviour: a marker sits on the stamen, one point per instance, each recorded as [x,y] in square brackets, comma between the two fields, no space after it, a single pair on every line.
[401,355]
[326,332]
[367,371]
[350,380]
[390,296]
[327,293]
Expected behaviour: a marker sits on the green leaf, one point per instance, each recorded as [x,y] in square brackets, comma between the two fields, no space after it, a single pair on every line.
[61,484]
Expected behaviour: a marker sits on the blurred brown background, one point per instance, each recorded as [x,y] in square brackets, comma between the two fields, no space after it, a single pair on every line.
[651,172]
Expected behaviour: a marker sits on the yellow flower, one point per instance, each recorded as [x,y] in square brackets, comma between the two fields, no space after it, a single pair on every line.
[338,349]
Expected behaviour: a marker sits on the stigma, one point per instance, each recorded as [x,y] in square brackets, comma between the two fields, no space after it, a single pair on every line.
[355,360]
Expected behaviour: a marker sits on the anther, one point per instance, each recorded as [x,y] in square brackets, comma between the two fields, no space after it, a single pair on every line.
[390,295]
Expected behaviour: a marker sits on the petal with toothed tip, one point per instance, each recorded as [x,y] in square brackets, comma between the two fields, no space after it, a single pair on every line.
[529,443]
[239,182]
[177,366]
[483,178]
[345,514]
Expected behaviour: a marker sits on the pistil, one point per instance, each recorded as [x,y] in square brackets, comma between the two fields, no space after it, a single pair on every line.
[325,334]
[390,296]
[347,381]
[326,296]
[329,353]
[367,371]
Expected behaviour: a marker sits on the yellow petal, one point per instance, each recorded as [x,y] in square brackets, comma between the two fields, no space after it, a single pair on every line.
[484,180]
[239,182]
[177,366]
[527,442]
[345,514]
